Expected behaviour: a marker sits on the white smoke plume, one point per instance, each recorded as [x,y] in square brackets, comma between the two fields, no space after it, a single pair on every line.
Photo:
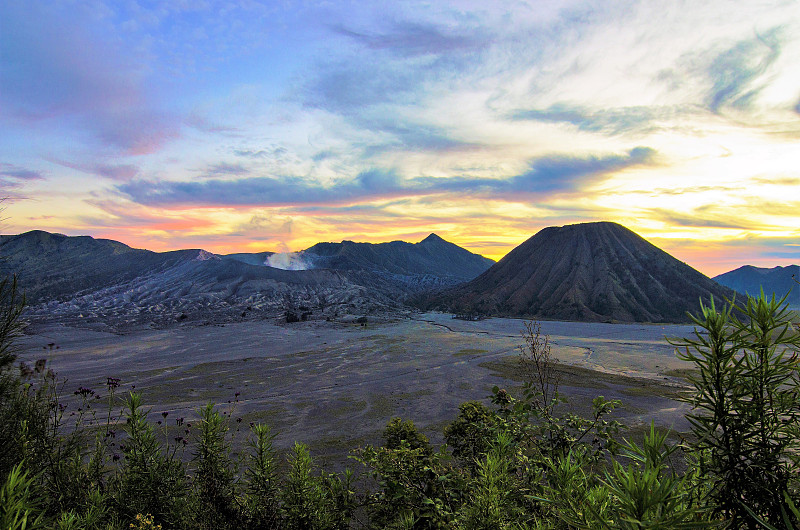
[289,261]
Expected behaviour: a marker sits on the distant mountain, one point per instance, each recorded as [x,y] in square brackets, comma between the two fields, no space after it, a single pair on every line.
[53,266]
[778,280]
[82,279]
[432,256]
[586,272]
[256,258]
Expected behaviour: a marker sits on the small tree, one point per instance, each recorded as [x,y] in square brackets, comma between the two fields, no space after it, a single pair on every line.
[315,502]
[12,303]
[214,477]
[149,481]
[745,409]
[262,496]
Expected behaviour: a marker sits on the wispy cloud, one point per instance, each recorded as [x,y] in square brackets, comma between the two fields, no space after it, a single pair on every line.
[275,151]
[12,171]
[736,74]
[225,168]
[410,39]
[611,121]
[120,172]
[13,179]
[696,220]
[131,217]
[254,191]
[545,175]
[413,137]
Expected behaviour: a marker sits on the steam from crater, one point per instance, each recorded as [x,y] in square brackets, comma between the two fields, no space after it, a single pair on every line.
[289,261]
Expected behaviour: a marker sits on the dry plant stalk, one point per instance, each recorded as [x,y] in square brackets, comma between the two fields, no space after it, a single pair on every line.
[536,362]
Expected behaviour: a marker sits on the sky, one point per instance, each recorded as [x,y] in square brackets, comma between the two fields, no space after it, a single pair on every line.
[249,126]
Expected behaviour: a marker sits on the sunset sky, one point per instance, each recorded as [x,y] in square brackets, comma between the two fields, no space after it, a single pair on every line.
[249,126]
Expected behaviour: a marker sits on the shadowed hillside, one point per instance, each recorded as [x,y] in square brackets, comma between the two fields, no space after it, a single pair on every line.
[433,256]
[83,280]
[588,272]
[778,280]
[54,266]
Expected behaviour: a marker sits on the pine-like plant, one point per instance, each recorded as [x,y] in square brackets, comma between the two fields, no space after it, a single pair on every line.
[745,413]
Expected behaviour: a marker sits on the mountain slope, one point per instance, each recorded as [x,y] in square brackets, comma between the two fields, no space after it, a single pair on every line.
[53,266]
[431,256]
[80,280]
[256,258]
[778,280]
[588,272]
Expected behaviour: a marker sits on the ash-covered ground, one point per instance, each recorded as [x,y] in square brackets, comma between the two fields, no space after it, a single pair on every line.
[336,383]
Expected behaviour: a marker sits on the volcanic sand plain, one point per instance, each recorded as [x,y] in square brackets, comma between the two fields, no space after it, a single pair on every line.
[335,385]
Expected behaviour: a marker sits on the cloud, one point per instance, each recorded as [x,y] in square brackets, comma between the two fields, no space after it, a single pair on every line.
[786,208]
[275,151]
[784,254]
[691,189]
[225,168]
[58,68]
[346,88]
[414,136]
[550,174]
[265,226]
[121,172]
[696,221]
[203,124]
[323,155]
[569,172]
[611,120]
[735,72]
[409,39]
[778,181]
[18,173]
[258,190]
[397,63]
[13,178]
[134,218]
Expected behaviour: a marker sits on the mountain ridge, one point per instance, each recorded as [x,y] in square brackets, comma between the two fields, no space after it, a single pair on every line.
[433,255]
[751,279]
[80,279]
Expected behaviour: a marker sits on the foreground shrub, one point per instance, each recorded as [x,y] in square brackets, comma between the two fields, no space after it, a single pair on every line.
[416,485]
[216,504]
[19,503]
[745,410]
[262,501]
[150,480]
[315,502]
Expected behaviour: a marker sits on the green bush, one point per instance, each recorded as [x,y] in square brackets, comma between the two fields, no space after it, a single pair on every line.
[19,504]
[522,462]
[216,504]
[315,502]
[150,479]
[745,410]
[263,491]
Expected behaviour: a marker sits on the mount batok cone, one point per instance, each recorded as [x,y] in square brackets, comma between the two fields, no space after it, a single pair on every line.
[586,272]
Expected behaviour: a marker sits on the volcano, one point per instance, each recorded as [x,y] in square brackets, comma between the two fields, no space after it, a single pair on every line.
[592,272]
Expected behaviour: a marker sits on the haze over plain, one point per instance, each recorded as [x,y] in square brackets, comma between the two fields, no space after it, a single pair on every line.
[251,127]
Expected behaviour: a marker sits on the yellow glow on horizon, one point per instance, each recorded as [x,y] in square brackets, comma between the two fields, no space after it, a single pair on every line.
[706,198]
